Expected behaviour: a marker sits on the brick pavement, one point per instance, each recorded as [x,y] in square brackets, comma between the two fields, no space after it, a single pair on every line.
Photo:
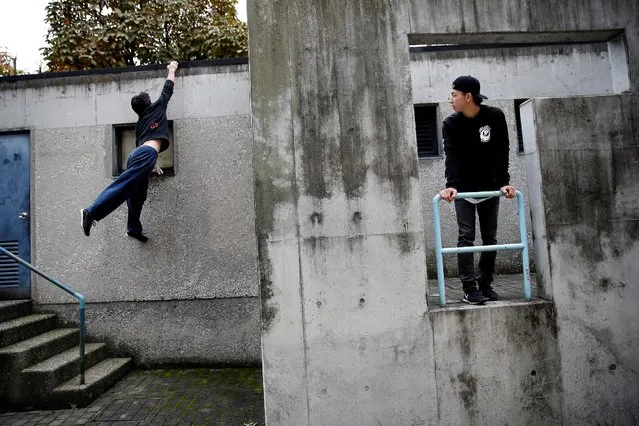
[226,397]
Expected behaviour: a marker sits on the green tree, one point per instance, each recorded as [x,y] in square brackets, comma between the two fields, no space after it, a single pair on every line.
[86,34]
[8,64]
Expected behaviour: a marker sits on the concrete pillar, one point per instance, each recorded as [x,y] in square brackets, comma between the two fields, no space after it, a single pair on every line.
[584,153]
[345,335]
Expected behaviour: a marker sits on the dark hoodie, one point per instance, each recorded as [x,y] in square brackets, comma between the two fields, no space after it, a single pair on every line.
[152,123]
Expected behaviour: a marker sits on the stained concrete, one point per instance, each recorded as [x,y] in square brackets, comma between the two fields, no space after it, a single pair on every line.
[337,200]
[212,332]
[342,256]
[316,95]
[276,218]
[515,379]
[200,247]
[200,220]
[463,21]
[518,72]
[224,91]
[586,152]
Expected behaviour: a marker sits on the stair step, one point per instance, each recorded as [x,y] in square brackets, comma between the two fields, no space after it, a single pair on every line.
[41,378]
[11,309]
[98,379]
[25,327]
[18,356]
[38,348]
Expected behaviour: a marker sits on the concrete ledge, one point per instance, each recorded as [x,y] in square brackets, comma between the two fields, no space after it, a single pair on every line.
[497,364]
[489,305]
[211,332]
[526,38]
[142,71]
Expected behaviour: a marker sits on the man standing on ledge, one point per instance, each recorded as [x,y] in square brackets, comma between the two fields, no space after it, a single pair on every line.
[476,146]
[151,137]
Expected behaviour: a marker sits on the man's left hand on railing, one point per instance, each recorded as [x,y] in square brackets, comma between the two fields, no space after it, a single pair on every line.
[509,191]
[448,194]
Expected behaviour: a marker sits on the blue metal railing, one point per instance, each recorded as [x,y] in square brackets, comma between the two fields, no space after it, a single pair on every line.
[71,292]
[522,245]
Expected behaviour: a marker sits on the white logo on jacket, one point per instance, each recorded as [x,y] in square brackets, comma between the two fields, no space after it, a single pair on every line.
[484,134]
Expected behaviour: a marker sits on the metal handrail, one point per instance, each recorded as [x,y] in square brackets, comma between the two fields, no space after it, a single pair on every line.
[71,292]
[522,245]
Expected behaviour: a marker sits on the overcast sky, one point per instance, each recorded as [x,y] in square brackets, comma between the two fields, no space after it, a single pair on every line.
[22,29]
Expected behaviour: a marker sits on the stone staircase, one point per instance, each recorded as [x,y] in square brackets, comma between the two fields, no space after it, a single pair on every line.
[39,363]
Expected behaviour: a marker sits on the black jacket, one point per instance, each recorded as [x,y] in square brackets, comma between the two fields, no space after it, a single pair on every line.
[152,124]
[476,150]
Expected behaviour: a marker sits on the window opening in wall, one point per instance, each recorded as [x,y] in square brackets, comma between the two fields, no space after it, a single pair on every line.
[125,143]
[426,131]
[520,137]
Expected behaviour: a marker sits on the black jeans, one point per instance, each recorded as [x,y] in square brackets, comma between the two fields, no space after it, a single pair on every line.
[131,186]
[487,211]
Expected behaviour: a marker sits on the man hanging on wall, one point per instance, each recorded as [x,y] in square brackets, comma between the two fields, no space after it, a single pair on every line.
[476,148]
[152,137]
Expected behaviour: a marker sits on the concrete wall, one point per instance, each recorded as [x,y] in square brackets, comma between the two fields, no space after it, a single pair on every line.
[515,72]
[342,226]
[200,221]
[583,69]
[586,154]
[347,336]
[342,260]
[497,365]
[493,21]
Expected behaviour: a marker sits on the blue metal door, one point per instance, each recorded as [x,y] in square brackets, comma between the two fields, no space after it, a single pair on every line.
[15,236]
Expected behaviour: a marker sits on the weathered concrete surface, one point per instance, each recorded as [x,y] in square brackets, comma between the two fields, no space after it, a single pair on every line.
[345,339]
[368,353]
[210,332]
[535,197]
[496,21]
[94,99]
[586,151]
[336,196]
[201,240]
[497,364]
[200,221]
[276,218]
[618,54]
[517,72]
[224,92]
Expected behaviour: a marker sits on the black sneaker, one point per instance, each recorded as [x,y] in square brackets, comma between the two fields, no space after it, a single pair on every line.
[138,236]
[473,297]
[489,293]
[87,222]
[487,289]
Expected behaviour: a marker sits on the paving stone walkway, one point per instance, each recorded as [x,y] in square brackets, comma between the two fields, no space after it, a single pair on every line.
[226,397]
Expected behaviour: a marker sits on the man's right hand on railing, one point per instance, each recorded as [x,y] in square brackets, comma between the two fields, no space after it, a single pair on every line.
[509,191]
[448,194]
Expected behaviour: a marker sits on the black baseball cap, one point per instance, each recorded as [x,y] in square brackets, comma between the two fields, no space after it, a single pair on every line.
[468,84]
